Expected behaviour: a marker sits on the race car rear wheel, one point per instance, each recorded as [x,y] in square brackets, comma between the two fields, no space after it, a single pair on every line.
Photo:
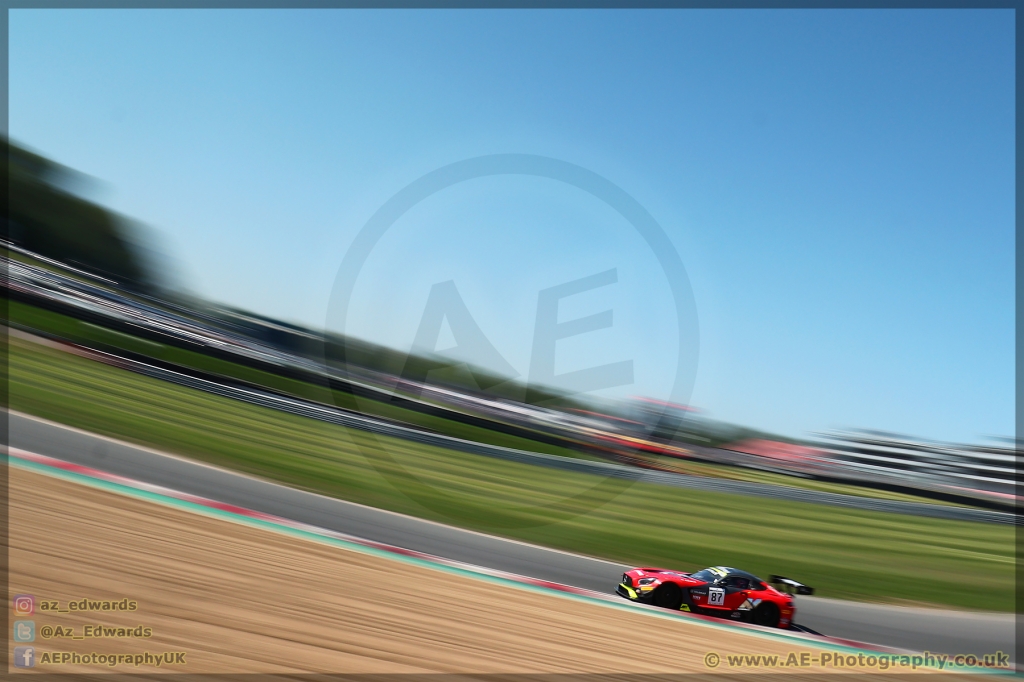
[766,614]
[668,596]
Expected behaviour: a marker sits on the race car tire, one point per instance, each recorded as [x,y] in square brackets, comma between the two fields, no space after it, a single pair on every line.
[766,614]
[668,596]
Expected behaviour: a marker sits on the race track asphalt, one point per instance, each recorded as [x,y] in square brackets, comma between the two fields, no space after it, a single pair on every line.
[916,629]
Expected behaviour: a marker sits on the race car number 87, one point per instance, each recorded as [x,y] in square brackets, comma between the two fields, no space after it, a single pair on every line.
[716,596]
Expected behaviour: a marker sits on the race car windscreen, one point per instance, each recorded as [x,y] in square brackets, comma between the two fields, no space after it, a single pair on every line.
[707,575]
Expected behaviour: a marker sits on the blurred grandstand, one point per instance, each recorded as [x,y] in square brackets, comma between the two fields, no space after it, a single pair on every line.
[71,276]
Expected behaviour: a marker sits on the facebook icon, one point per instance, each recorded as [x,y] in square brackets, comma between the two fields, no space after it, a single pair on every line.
[24,656]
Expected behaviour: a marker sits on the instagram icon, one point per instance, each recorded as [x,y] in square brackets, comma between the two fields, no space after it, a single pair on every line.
[24,604]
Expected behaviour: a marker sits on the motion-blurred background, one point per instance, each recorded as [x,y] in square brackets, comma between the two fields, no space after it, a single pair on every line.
[839,186]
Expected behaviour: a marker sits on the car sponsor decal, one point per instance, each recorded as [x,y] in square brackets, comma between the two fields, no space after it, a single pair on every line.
[749,604]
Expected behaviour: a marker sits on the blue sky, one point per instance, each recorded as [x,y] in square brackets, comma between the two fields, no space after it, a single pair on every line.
[838,184]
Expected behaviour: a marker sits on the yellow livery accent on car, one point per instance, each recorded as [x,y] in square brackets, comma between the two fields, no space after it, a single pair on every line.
[717,592]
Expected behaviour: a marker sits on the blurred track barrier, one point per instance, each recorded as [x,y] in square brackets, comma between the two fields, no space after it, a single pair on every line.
[374,425]
[104,318]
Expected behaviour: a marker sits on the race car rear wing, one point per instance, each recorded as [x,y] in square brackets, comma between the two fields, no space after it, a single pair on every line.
[789,585]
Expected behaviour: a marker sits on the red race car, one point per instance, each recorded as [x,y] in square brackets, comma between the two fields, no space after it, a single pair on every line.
[717,591]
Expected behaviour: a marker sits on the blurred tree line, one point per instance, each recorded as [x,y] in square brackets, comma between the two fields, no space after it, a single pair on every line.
[44,216]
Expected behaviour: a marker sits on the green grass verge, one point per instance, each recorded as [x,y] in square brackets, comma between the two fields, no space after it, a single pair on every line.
[844,553]
[90,334]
